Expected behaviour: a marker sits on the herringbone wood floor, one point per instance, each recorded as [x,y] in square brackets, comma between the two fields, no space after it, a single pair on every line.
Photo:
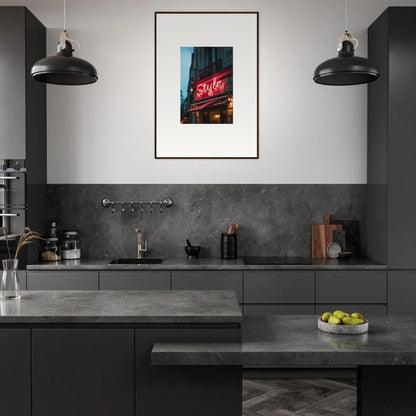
[292,397]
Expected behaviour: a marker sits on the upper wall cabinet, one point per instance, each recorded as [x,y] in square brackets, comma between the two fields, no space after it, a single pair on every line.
[22,100]
[392,139]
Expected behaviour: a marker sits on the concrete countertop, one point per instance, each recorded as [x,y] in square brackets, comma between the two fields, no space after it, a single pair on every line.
[273,341]
[211,264]
[115,307]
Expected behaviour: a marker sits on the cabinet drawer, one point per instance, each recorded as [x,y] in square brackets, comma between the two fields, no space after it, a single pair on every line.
[280,309]
[364,286]
[142,280]
[365,309]
[57,280]
[279,287]
[209,280]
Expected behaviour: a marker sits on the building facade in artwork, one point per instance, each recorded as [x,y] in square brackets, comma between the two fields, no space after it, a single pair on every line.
[210,88]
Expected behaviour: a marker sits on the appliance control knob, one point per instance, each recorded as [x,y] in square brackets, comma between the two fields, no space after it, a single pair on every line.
[17,166]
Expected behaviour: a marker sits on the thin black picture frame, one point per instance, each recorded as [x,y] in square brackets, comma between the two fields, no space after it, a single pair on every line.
[257,86]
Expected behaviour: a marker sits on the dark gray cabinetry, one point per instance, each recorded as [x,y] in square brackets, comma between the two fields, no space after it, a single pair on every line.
[23,122]
[209,280]
[161,388]
[279,292]
[15,380]
[23,100]
[364,308]
[60,280]
[22,279]
[391,140]
[82,372]
[132,280]
[351,287]
[279,309]
[402,291]
[362,291]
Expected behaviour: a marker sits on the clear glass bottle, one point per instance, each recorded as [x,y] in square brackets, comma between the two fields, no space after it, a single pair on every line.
[50,250]
[10,287]
[70,249]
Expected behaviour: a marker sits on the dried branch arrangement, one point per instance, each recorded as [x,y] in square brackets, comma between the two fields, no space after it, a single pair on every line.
[26,237]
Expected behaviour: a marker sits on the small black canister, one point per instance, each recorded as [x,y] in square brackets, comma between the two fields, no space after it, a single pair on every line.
[228,246]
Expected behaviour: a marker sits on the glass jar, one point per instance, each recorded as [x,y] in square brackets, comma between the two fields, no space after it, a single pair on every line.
[50,250]
[71,249]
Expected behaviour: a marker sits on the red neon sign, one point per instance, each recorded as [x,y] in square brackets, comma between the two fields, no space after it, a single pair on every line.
[211,86]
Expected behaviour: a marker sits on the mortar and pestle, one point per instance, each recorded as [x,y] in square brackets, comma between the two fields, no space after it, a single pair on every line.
[192,251]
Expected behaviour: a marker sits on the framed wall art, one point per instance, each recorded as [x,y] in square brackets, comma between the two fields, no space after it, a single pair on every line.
[206,85]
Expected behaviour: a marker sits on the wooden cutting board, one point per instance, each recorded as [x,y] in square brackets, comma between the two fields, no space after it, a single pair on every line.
[321,237]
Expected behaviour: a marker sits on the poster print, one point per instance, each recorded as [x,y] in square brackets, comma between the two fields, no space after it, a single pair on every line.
[206,85]
[206,95]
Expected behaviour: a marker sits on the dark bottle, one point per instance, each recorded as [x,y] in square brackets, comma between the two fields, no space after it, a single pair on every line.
[228,246]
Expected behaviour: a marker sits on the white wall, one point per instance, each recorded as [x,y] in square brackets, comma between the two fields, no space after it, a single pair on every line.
[104,133]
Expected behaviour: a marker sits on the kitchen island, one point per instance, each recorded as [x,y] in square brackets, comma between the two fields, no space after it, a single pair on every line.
[88,353]
[385,357]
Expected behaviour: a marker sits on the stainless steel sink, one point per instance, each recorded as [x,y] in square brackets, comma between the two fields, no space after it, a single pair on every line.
[136,261]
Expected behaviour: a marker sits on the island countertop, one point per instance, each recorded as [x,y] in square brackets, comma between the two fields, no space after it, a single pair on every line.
[121,307]
[273,341]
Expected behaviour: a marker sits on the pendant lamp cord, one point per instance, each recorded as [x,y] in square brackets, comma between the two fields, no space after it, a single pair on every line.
[65,15]
[346,16]
[346,35]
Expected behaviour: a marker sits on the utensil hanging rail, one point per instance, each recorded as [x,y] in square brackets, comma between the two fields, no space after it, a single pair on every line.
[132,206]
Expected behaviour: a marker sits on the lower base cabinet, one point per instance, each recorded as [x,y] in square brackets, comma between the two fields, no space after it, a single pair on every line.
[62,280]
[279,309]
[108,372]
[15,380]
[365,309]
[82,372]
[402,292]
[186,390]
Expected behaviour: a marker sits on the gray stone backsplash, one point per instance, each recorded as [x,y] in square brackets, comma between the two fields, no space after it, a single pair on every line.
[275,220]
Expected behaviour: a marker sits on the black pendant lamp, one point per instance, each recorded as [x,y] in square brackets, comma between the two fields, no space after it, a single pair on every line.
[64,68]
[346,68]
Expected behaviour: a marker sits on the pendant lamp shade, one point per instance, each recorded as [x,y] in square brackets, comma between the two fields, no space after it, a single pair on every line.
[64,69]
[346,68]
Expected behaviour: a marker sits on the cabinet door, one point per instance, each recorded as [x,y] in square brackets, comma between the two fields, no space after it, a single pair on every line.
[15,372]
[83,372]
[186,390]
[288,309]
[209,280]
[12,91]
[279,287]
[353,286]
[402,291]
[59,280]
[132,280]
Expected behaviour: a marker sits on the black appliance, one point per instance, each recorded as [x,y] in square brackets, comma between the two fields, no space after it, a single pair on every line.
[14,216]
